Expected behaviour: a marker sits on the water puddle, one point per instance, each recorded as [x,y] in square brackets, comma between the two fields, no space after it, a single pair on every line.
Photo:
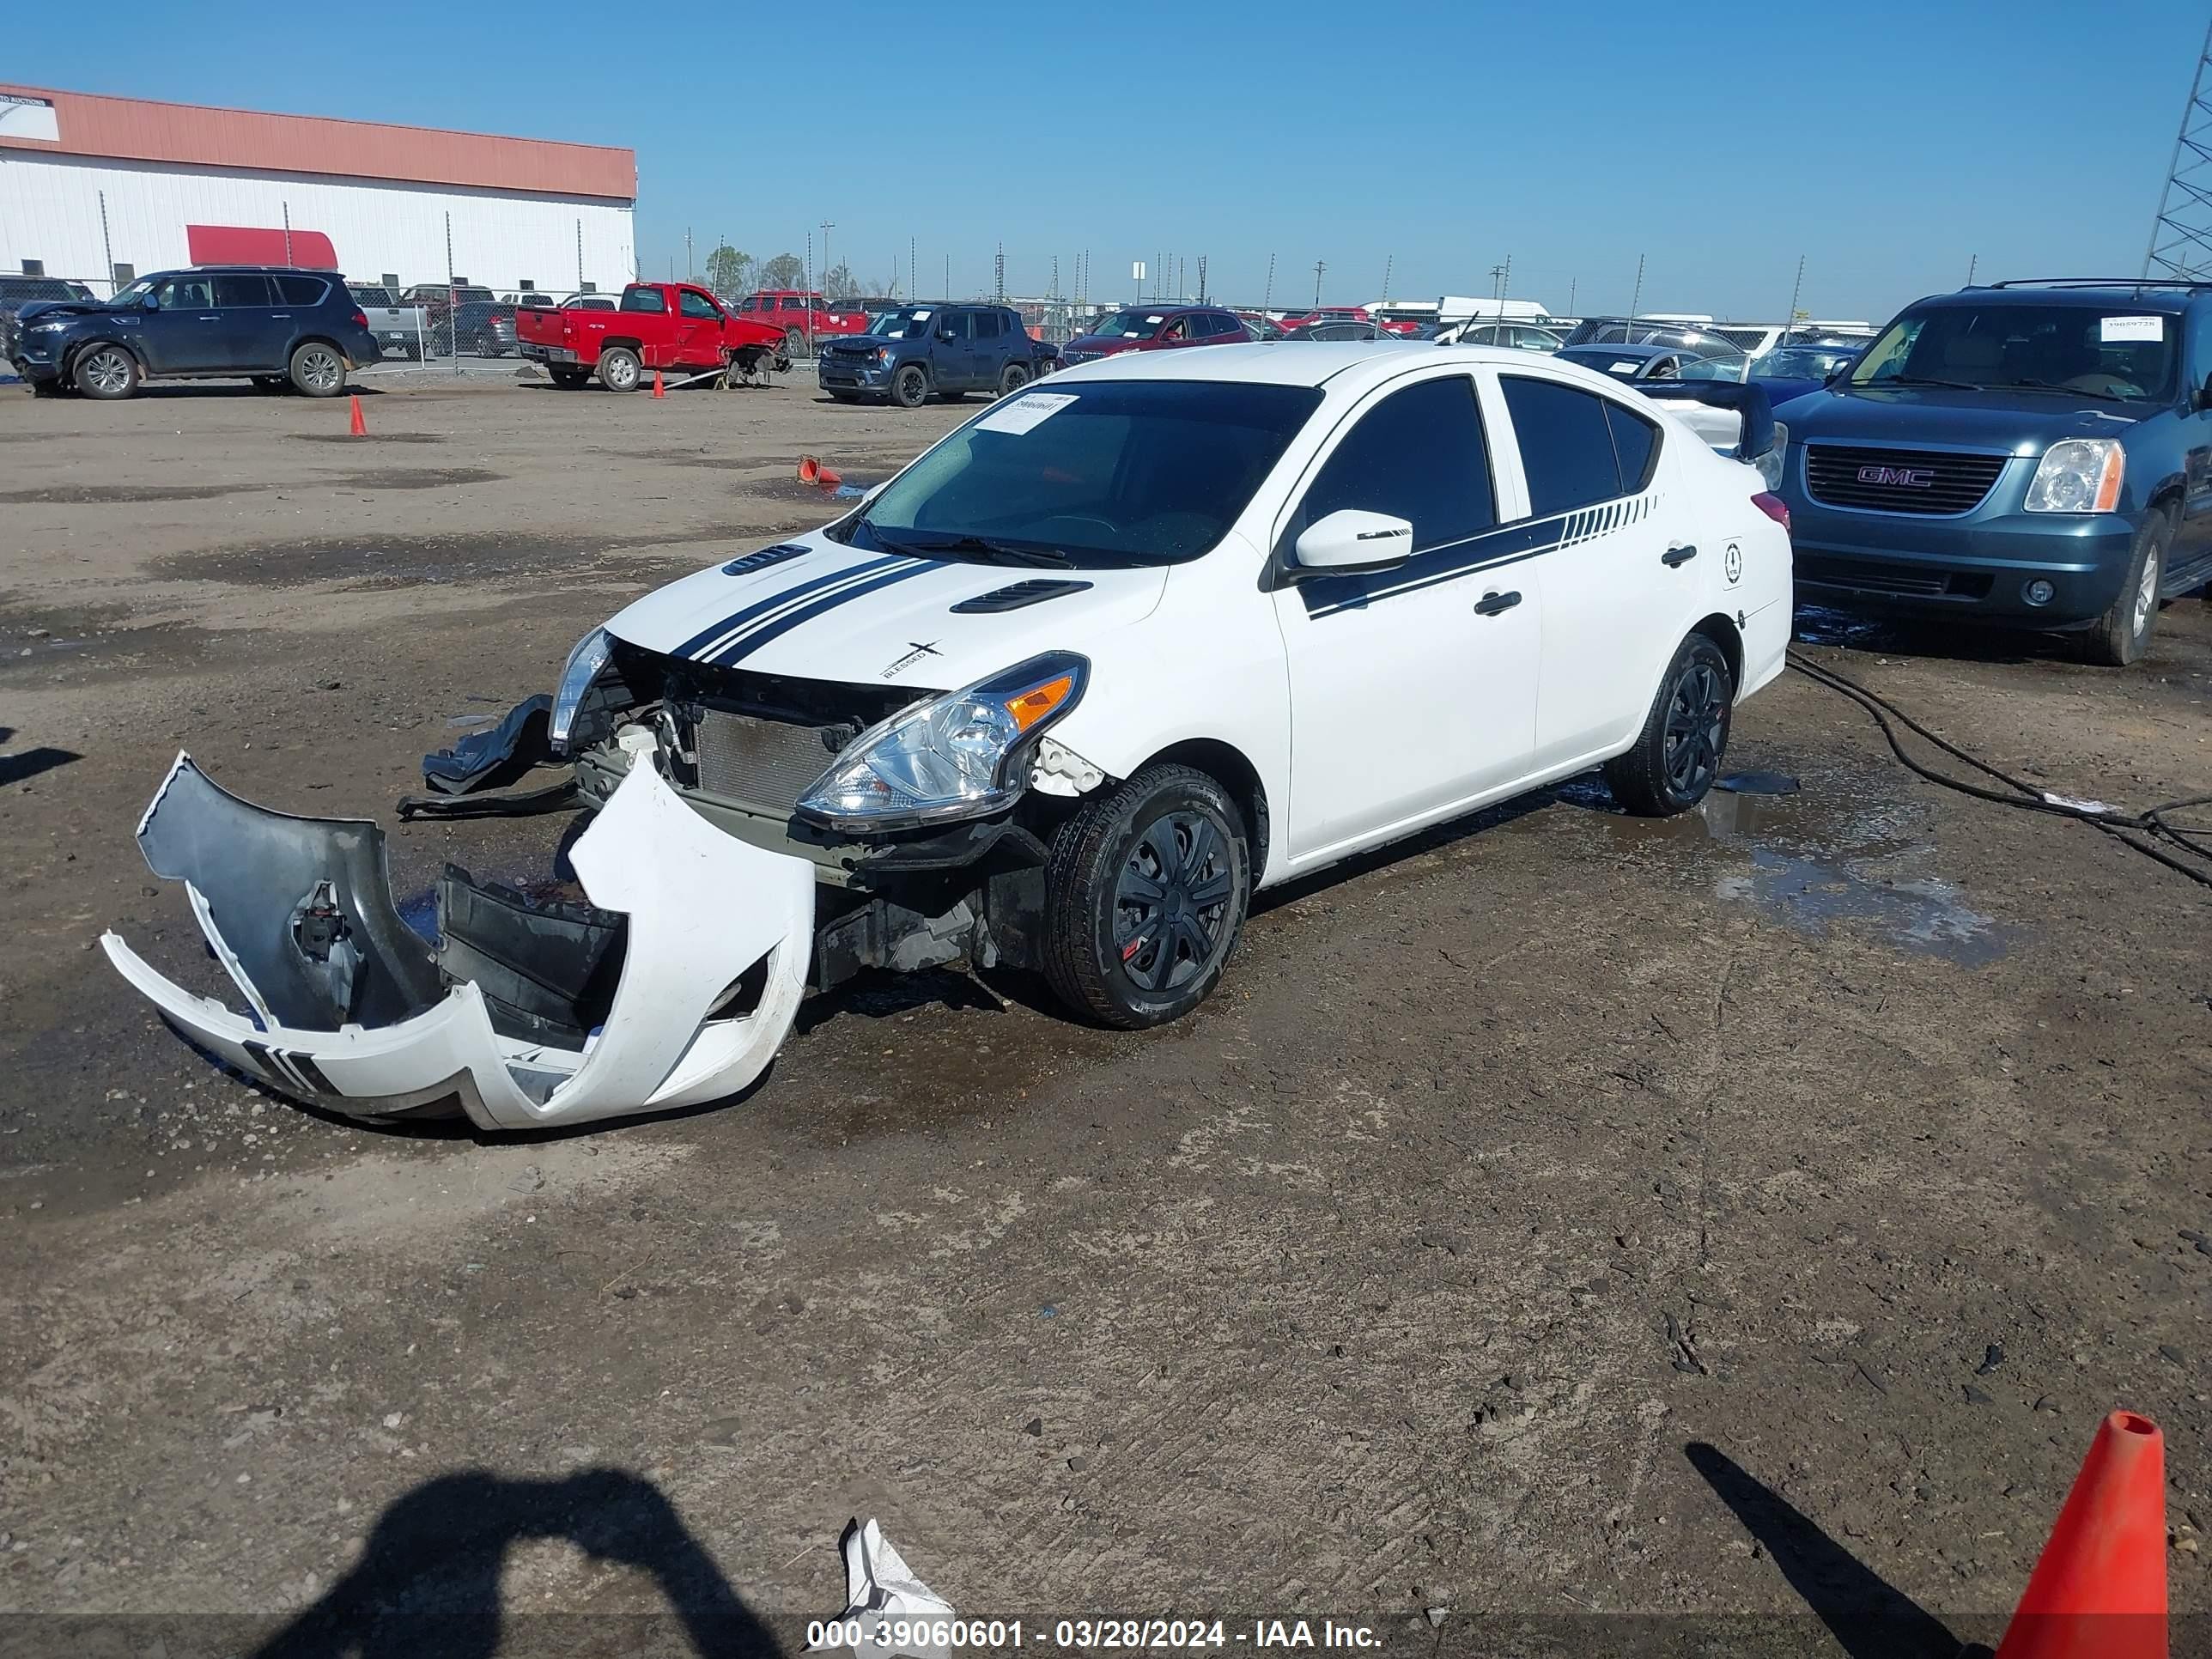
[1835,851]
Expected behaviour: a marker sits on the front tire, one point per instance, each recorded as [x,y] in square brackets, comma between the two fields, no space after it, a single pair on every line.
[1677,754]
[620,369]
[1145,894]
[910,386]
[2121,635]
[318,370]
[108,372]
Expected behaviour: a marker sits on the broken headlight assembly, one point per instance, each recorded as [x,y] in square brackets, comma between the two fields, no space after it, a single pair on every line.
[957,757]
[585,663]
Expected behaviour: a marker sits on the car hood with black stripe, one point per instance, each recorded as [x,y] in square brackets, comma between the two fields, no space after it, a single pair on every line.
[812,609]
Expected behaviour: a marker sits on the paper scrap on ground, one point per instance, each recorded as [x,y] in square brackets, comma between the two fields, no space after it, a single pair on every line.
[882,1590]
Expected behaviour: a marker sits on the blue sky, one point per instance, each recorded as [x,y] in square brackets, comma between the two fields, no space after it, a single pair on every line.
[1888,144]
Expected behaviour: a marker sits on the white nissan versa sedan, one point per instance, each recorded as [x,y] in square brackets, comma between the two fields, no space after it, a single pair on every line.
[1062,695]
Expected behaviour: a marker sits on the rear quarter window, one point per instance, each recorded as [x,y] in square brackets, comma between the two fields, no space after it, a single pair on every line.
[295,290]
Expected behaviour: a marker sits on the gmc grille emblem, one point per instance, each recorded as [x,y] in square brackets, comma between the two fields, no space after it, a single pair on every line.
[1899,477]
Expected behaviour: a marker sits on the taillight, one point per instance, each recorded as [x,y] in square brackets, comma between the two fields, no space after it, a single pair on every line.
[359,320]
[1774,506]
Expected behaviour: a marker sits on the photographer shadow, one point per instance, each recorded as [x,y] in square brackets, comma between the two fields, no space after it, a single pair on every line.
[428,1583]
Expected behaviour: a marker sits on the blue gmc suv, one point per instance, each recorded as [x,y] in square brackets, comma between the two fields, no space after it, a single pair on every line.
[2038,455]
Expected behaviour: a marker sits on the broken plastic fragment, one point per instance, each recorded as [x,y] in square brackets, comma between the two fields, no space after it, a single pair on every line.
[702,912]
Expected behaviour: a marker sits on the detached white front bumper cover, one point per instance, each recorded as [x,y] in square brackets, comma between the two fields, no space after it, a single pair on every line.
[703,908]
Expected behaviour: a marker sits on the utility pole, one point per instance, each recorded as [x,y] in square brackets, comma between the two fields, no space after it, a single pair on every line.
[1388,261]
[1320,265]
[1497,290]
[999,276]
[827,227]
[948,275]
[913,272]
[1638,298]
[1972,260]
[1269,297]
[687,267]
[1573,283]
[1790,318]
[2181,234]
[1201,279]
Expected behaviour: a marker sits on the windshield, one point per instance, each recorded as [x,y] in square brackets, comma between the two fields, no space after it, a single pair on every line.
[1131,324]
[1120,472]
[2109,351]
[907,323]
[136,292]
[1605,360]
[1801,362]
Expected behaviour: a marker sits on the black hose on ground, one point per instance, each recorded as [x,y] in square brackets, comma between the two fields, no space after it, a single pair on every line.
[2126,827]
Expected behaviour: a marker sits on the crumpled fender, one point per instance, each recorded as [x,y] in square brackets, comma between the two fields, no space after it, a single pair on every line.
[703,908]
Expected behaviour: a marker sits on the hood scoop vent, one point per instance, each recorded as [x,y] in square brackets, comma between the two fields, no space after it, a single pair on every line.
[761,560]
[1018,596]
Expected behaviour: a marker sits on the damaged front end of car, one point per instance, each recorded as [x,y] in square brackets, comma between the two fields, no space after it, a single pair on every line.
[926,817]
[674,985]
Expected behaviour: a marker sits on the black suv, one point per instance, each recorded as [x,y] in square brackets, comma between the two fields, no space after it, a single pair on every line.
[915,352]
[271,324]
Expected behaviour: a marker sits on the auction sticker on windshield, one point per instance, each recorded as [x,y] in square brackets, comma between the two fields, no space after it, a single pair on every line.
[2133,328]
[1025,412]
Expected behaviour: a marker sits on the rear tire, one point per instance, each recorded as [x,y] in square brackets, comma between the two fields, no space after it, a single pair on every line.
[2121,635]
[1145,893]
[910,386]
[1012,379]
[318,370]
[1677,754]
[620,370]
[108,372]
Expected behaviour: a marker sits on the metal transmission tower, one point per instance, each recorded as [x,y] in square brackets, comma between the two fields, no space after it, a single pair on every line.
[2181,236]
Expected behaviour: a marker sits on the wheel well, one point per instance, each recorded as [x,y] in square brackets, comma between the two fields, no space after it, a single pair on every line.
[2168,501]
[1721,630]
[1227,767]
[313,339]
[76,355]
[606,346]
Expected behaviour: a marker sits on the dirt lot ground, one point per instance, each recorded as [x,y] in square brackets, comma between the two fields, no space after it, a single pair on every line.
[1597,1231]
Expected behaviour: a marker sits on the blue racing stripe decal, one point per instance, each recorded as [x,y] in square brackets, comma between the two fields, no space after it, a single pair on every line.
[1508,545]
[775,630]
[760,608]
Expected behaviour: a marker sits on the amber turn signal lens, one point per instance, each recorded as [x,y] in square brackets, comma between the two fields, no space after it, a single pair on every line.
[1034,704]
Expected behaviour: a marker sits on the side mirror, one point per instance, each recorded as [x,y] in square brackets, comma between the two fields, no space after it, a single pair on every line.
[1838,373]
[2204,395]
[1351,539]
[944,330]
[150,301]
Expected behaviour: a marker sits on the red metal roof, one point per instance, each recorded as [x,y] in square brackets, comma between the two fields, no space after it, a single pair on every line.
[135,129]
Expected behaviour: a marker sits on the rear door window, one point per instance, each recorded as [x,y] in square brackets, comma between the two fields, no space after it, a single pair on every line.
[1568,444]
[1420,455]
[241,287]
[989,325]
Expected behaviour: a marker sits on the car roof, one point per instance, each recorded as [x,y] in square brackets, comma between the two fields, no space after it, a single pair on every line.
[1313,362]
[2067,292]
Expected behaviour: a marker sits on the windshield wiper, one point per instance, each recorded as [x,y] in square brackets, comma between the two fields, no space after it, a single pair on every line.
[1000,552]
[1914,380]
[2070,390]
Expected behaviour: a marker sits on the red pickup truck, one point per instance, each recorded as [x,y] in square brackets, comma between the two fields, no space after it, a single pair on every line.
[656,325]
[802,317]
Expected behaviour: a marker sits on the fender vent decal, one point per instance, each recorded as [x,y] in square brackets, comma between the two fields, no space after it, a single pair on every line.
[1014,597]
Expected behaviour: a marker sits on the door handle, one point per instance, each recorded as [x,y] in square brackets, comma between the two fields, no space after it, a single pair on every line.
[1495,604]
[1680,554]
[210,319]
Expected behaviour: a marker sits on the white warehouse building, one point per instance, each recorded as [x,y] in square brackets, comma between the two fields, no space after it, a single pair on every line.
[100,189]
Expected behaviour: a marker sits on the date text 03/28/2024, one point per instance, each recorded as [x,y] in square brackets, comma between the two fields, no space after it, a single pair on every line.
[1087,1635]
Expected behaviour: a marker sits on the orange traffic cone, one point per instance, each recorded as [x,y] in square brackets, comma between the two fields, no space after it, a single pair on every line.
[658,390]
[2099,1587]
[359,428]
[811,471]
